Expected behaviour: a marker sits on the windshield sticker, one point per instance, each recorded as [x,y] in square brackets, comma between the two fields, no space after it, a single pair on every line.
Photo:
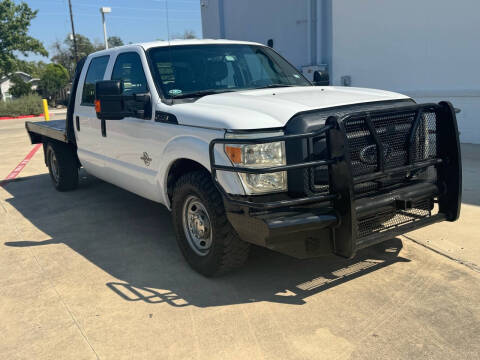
[175,92]
[229,58]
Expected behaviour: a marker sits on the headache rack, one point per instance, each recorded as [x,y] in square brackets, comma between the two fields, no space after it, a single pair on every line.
[369,154]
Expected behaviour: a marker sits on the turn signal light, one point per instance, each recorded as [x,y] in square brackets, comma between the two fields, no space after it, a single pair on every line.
[98,108]
[234,154]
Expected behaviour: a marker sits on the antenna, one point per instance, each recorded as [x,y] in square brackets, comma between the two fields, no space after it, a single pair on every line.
[168,22]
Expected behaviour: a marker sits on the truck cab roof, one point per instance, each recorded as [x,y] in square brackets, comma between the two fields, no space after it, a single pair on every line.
[244,106]
[176,42]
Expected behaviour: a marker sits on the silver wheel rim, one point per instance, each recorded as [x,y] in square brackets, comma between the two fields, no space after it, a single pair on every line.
[54,165]
[197,225]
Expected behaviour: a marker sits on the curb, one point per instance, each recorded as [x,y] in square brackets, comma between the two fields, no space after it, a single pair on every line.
[18,117]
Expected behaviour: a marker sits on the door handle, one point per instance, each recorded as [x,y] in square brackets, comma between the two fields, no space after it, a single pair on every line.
[77,122]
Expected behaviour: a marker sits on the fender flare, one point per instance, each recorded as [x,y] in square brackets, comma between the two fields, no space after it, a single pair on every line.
[196,149]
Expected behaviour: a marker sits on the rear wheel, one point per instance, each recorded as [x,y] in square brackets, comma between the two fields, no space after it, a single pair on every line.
[62,166]
[207,240]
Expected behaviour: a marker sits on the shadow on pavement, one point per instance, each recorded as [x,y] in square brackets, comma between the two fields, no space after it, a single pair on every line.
[132,239]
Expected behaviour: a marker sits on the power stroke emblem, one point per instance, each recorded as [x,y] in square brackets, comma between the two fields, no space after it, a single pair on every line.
[146,159]
[368,154]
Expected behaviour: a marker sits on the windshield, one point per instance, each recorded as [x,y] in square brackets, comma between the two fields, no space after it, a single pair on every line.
[196,70]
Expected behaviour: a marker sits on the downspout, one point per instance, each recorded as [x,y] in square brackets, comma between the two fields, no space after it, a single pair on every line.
[313,32]
[221,19]
[326,36]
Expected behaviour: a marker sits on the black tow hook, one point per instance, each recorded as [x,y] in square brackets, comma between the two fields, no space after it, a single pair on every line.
[403,204]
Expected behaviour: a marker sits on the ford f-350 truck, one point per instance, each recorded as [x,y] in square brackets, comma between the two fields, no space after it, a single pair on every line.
[244,150]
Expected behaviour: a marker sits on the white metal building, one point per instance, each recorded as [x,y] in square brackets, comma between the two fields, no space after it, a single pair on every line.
[427,49]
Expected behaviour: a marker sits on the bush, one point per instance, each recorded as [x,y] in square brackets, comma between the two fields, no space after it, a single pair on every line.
[26,105]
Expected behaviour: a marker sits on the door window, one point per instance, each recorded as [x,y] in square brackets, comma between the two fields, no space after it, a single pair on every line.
[128,67]
[95,72]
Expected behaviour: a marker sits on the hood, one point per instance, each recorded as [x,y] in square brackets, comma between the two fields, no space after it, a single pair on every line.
[270,108]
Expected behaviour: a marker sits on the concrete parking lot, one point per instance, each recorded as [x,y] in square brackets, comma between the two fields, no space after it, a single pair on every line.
[96,273]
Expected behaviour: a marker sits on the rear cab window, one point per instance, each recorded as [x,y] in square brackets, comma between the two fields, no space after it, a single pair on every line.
[95,72]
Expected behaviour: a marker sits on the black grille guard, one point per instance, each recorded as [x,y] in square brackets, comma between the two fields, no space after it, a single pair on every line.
[341,180]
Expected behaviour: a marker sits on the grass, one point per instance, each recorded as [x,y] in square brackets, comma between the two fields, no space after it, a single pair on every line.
[26,105]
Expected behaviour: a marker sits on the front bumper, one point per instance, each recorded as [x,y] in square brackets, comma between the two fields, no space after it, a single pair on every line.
[340,221]
[310,232]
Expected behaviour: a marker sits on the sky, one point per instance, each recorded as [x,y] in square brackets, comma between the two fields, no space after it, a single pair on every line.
[131,20]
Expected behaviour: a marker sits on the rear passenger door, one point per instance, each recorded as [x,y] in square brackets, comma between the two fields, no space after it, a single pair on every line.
[87,126]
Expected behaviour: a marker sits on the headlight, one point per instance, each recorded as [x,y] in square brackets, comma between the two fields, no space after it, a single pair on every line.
[259,156]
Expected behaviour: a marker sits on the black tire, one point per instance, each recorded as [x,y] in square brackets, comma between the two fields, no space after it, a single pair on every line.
[62,166]
[227,250]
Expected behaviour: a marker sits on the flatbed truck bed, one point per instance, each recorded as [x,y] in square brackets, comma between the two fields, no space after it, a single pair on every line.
[53,129]
[61,131]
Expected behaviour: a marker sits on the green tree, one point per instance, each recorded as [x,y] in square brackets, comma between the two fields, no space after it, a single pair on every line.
[65,51]
[114,41]
[20,87]
[53,79]
[188,34]
[14,23]
[33,68]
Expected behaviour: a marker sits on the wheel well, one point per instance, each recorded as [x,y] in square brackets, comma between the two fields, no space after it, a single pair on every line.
[69,146]
[181,167]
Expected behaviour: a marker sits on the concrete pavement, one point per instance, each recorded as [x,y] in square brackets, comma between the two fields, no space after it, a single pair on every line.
[96,273]
[461,241]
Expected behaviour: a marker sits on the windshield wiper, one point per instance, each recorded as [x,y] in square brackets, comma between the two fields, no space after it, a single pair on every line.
[200,93]
[274,86]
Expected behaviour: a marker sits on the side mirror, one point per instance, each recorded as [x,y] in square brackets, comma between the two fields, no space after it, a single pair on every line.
[321,78]
[109,104]
[112,104]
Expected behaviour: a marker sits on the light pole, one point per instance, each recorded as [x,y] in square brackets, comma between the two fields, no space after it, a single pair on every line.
[104,10]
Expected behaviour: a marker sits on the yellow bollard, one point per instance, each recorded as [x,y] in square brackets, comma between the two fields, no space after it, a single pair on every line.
[46,115]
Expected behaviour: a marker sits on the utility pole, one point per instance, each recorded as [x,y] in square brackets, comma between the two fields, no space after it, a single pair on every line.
[73,32]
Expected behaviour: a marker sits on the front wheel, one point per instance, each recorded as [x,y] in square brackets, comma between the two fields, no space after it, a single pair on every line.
[207,240]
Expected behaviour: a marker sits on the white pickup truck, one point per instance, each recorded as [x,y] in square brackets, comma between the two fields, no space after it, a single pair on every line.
[244,150]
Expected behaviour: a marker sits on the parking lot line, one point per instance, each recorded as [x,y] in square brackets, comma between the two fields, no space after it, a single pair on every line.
[14,173]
